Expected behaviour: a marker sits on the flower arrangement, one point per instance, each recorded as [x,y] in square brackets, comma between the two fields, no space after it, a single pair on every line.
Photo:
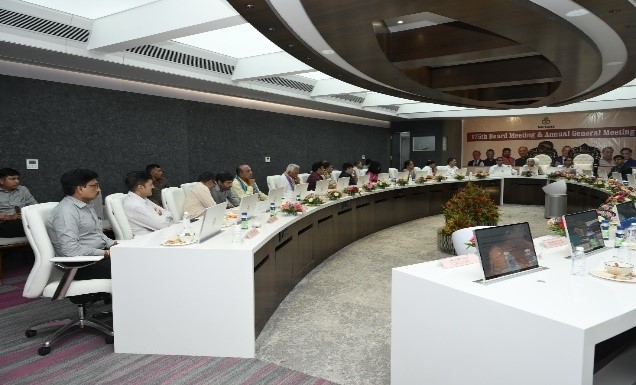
[402,182]
[556,226]
[382,184]
[291,208]
[313,200]
[481,175]
[470,206]
[459,177]
[351,190]
[422,180]
[527,173]
[439,178]
[334,195]
[368,187]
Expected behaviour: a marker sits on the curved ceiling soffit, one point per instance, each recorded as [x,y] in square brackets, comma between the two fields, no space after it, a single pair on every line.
[493,54]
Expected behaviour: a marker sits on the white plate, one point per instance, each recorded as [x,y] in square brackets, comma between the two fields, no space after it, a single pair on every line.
[605,275]
[165,243]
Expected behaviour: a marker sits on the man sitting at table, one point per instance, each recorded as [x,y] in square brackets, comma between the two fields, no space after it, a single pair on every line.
[199,197]
[531,165]
[568,166]
[289,179]
[347,172]
[621,167]
[13,198]
[430,168]
[143,215]
[500,169]
[317,171]
[156,173]
[222,192]
[74,228]
[244,184]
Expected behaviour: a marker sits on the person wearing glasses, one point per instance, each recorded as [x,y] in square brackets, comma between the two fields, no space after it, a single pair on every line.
[244,184]
[144,215]
[13,198]
[74,227]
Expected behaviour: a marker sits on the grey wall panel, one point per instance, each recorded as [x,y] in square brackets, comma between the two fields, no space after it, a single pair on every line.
[113,132]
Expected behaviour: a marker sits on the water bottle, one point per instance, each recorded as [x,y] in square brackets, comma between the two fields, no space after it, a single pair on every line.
[298,198]
[244,224]
[605,229]
[531,258]
[186,222]
[620,236]
[237,234]
[272,209]
[631,234]
[578,262]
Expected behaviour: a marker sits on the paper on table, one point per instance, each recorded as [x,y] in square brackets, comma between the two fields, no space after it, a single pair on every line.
[460,260]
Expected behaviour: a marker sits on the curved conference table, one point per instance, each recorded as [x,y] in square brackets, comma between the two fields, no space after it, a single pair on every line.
[215,297]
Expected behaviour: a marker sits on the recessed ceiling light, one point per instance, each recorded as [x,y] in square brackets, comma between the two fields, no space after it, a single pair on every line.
[400,21]
[328,52]
[291,45]
[577,13]
[614,63]
[614,10]
[271,29]
[249,5]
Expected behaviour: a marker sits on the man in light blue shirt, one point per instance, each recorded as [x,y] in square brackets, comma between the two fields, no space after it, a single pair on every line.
[13,198]
[74,227]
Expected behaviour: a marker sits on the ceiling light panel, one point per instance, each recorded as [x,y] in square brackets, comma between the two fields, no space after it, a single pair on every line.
[90,9]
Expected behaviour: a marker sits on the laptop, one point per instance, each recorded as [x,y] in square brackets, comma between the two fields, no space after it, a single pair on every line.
[275,195]
[421,174]
[212,222]
[248,205]
[626,212]
[583,229]
[402,175]
[364,179]
[321,187]
[442,170]
[506,250]
[342,183]
[384,177]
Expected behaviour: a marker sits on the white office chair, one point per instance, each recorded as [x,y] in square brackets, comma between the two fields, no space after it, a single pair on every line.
[393,172]
[631,180]
[173,199]
[303,178]
[271,182]
[335,174]
[543,160]
[583,161]
[461,237]
[186,187]
[117,216]
[47,281]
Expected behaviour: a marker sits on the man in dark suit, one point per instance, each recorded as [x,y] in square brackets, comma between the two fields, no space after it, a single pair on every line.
[347,172]
[476,162]
[560,160]
[621,167]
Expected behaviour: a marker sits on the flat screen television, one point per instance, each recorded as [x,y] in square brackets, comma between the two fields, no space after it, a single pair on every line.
[505,250]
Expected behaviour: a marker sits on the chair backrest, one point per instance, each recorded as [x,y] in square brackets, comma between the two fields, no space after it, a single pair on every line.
[543,160]
[186,187]
[117,216]
[617,175]
[303,178]
[174,199]
[393,172]
[34,219]
[335,174]
[271,182]
[583,159]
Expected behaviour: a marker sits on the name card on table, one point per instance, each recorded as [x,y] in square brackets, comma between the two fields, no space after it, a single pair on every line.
[251,234]
[555,242]
[272,219]
[460,260]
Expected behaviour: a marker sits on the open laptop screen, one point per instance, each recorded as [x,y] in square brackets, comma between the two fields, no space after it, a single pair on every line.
[506,250]
[626,210]
[583,229]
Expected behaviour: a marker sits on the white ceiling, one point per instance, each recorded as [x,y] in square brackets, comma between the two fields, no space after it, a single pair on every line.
[255,57]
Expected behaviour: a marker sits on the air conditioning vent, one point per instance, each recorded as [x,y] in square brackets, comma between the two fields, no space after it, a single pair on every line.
[278,81]
[36,24]
[182,58]
[349,98]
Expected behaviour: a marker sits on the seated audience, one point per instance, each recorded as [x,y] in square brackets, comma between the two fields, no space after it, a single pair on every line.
[199,197]
[13,198]
[621,167]
[328,169]
[523,156]
[409,167]
[452,166]
[490,158]
[565,153]
[317,171]
[501,169]
[476,162]
[430,168]
[507,159]
[626,152]
[74,228]
[289,179]
[143,214]
[374,170]
[244,184]
[531,165]
[222,192]
[155,171]
[607,159]
[347,172]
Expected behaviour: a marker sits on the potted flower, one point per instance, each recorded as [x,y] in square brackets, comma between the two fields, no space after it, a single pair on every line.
[368,187]
[351,190]
[334,195]
[313,200]
[439,178]
[402,182]
[470,206]
[382,184]
[527,173]
[556,226]
[459,177]
[421,180]
[481,175]
[291,208]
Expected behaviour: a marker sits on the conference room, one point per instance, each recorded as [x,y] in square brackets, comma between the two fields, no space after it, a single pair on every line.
[216,85]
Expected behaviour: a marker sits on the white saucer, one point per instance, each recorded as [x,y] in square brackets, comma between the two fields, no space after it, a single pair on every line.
[605,275]
[176,243]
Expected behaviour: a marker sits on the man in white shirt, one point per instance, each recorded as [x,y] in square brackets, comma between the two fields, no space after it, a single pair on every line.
[568,166]
[289,179]
[451,167]
[531,165]
[199,197]
[499,169]
[143,215]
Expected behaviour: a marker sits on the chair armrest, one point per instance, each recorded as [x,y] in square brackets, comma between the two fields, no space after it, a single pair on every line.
[79,258]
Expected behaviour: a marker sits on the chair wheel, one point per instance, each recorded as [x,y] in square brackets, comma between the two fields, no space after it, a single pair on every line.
[109,339]
[44,350]
[30,333]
